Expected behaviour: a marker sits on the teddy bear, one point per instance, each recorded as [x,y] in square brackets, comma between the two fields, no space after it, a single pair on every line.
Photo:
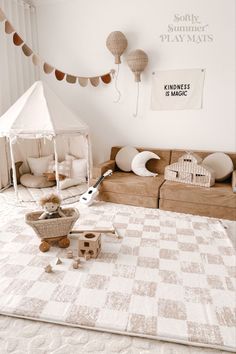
[52,207]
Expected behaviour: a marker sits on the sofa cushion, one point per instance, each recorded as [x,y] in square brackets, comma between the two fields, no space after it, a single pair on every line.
[129,183]
[176,154]
[156,166]
[219,195]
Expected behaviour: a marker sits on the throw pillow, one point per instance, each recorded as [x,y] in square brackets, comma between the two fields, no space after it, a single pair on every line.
[124,158]
[221,163]
[70,182]
[64,167]
[32,181]
[139,163]
[38,165]
[51,176]
[79,168]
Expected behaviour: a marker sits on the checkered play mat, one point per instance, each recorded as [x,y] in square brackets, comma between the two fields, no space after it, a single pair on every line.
[170,276]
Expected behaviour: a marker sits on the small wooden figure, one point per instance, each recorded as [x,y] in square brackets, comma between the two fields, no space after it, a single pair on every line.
[75,265]
[87,256]
[69,254]
[48,269]
[89,244]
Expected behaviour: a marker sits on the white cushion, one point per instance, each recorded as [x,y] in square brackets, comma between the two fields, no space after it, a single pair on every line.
[139,163]
[79,168]
[32,181]
[64,167]
[124,158]
[39,165]
[221,163]
[70,182]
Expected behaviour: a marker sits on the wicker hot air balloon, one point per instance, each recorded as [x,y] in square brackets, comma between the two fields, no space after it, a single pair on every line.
[137,61]
[116,43]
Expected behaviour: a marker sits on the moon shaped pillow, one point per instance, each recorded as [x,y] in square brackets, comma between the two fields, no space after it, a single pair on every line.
[139,163]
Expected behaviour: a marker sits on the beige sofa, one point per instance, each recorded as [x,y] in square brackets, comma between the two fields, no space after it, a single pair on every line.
[154,192]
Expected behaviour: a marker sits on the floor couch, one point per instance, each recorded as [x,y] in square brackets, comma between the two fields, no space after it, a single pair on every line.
[154,192]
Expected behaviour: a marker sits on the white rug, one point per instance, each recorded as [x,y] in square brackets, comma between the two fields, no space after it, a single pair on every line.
[170,277]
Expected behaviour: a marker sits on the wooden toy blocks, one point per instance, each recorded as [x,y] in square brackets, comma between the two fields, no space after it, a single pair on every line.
[89,244]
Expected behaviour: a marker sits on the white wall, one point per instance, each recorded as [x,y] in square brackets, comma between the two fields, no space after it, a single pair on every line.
[72,36]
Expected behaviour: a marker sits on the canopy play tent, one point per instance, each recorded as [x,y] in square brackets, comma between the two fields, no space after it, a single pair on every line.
[38,114]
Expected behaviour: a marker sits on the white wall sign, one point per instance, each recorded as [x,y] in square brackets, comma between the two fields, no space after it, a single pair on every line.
[177,89]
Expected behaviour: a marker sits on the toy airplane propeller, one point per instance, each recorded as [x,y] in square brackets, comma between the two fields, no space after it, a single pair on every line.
[88,197]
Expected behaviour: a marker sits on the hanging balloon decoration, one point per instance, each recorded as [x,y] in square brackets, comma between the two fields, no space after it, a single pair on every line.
[106,77]
[117,43]
[137,61]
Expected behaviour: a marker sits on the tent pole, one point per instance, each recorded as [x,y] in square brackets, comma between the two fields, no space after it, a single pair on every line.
[89,168]
[13,170]
[56,165]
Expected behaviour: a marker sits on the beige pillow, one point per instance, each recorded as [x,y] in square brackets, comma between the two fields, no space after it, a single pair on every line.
[32,181]
[221,163]
[39,165]
[124,158]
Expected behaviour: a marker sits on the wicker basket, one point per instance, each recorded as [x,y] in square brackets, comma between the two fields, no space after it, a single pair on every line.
[50,228]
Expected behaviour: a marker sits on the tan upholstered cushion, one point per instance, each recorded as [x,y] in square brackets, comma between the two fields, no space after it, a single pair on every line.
[220,194]
[32,181]
[129,183]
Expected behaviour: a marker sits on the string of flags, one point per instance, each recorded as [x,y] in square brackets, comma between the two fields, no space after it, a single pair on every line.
[50,69]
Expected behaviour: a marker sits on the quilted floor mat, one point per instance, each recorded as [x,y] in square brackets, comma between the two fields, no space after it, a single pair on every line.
[170,276]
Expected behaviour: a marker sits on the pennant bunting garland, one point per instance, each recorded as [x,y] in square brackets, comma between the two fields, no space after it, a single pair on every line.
[59,75]
[49,69]
[8,28]
[17,40]
[2,16]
